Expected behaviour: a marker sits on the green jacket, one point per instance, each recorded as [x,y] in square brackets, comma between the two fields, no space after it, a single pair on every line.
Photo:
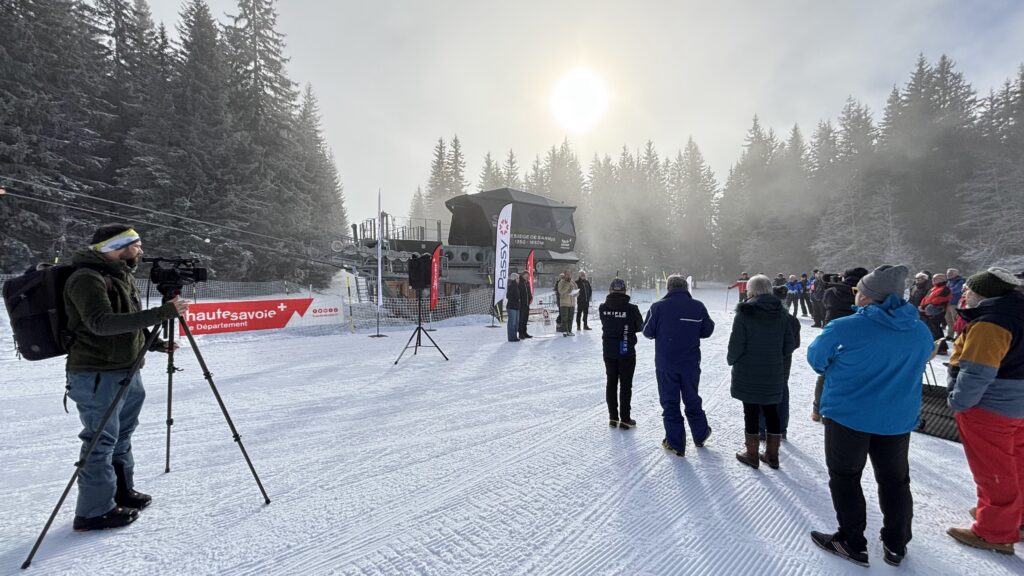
[761,339]
[109,325]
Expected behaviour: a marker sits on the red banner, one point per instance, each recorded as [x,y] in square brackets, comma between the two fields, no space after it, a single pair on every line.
[435,277]
[529,269]
[217,317]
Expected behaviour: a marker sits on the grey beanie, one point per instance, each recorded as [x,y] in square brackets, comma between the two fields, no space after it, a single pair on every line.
[883,281]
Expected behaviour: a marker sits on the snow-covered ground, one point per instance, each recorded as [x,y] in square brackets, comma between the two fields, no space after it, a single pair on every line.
[497,462]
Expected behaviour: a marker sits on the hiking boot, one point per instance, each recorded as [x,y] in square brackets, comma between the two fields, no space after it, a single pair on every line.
[132,499]
[125,496]
[667,446]
[627,423]
[770,456]
[706,436]
[117,516]
[613,422]
[587,328]
[968,537]
[892,558]
[831,543]
[749,456]
[974,514]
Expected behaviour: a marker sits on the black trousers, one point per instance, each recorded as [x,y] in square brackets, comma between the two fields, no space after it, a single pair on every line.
[818,312]
[805,302]
[846,453]
[524,318]
[620,378]
[582,311]
[752,413]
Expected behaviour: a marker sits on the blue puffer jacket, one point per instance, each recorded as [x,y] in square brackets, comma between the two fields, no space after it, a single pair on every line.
[956,289]
[677,322]
[795,287]
[872,362]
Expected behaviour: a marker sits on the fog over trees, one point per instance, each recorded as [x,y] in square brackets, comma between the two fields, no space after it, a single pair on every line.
[100,110]
[937,180]
[103,112]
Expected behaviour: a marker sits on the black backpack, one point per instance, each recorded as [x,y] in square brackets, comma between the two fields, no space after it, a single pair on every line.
[35,305]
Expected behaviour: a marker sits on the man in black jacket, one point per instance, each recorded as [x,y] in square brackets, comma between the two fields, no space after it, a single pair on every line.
[512,295]
[583,300]
[525,300]
[817,296]
[620,321]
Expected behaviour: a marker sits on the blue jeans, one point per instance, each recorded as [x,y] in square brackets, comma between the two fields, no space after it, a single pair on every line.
[672,387]
[513,325]
[93,393]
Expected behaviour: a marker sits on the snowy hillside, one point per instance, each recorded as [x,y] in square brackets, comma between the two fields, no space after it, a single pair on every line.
[497,462]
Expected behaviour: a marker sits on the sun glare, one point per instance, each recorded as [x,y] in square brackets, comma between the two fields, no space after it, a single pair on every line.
[579,100]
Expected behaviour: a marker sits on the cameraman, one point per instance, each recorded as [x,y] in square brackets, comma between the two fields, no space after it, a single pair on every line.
[109,325]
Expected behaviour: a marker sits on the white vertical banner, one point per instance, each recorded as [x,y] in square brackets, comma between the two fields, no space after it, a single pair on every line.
[502,249]
[380,253]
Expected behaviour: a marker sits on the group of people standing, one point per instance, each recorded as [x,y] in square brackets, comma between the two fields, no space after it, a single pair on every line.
[870,355]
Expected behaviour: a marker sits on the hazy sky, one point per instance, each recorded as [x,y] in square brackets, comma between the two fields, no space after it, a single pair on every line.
[393,77]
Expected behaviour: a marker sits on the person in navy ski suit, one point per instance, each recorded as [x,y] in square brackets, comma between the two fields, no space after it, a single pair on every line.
[677,323]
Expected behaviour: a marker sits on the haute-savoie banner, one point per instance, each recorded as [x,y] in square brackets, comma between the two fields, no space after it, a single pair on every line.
[244,315]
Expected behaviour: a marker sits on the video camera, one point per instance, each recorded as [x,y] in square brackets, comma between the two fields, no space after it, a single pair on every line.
[832,278]
[171,274]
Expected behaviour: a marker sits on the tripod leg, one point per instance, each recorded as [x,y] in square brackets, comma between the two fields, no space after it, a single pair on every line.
[213,387]
[170,388]
[406,347]
[92,443]
[436,346]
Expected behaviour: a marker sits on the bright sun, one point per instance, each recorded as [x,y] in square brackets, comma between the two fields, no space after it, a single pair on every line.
[579,100]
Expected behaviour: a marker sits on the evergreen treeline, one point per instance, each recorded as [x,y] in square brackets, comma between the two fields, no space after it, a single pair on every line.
[937,182]
[97,102]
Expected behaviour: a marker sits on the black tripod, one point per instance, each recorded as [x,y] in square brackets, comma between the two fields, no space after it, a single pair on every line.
[169,294]
[419,331]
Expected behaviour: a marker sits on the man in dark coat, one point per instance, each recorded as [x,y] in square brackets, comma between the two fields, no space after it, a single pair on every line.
[677,323]
[620,321]
[106,316]
[761,339]
[838,298]
[818,287]
[512,295]
[922,285]
[583,300]
[525,300]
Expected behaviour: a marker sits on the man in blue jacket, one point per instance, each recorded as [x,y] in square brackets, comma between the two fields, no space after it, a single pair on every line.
[677,323]
[872,362]
[956,289]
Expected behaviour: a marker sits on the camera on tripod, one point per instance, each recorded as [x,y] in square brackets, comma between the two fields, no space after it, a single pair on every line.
[171,274]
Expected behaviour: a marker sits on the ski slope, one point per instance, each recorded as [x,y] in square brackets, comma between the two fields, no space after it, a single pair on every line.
[497,462]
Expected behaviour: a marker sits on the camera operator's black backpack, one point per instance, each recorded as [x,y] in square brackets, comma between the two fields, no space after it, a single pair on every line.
[35,305]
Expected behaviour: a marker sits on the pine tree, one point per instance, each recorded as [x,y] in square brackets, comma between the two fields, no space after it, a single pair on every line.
[510,172]
[326,215]
[52,65]
[456,168]
[438,184]
[418,207]
[490,175]
[263,100]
